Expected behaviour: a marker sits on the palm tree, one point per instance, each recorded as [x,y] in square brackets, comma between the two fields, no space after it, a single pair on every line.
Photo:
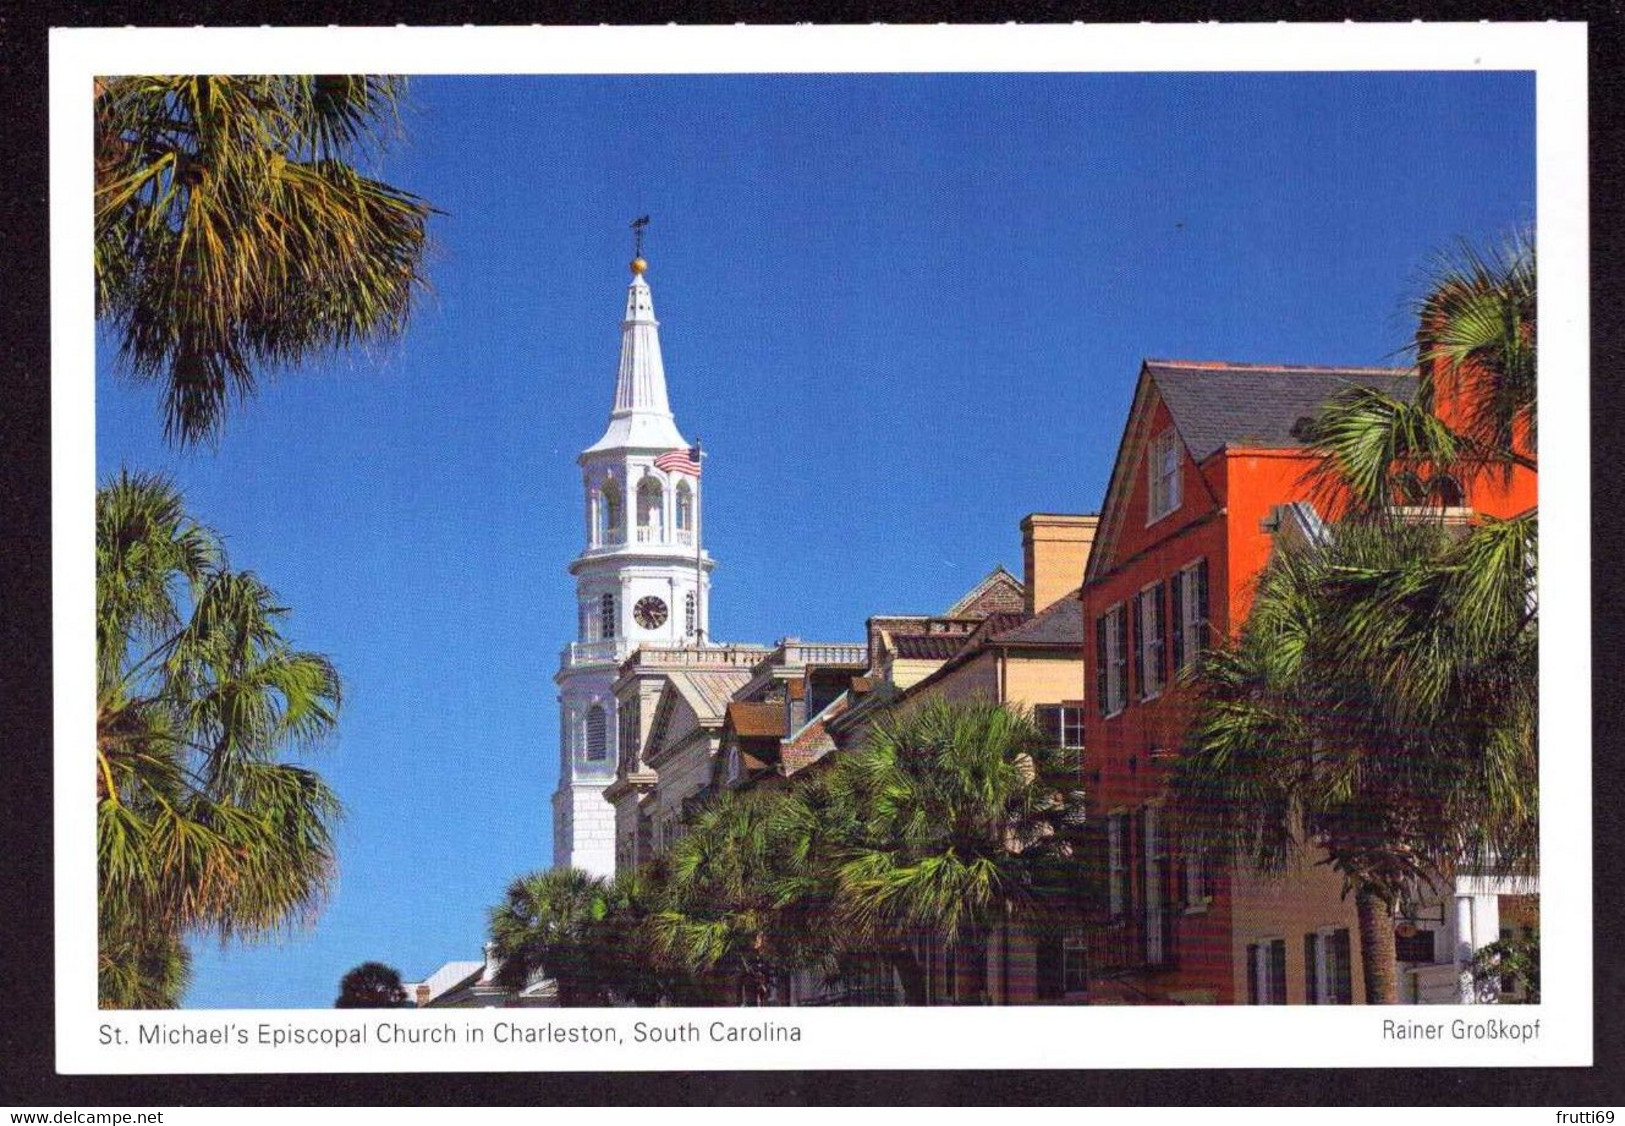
[371,985]
[724,903]
[549,923]
[201,828]
[1380,702]
[1379,708]
[235,234]
[1474,413]
[963,818]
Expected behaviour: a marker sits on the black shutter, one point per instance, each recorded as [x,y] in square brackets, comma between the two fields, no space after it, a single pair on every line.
[1100,666]
[1342,968]
[1051,969]
[1311,995]
[1278,972]
[1139,644]
[1122,655]
[1160,608]
[1202,605]
[1252,973]
[1176,618]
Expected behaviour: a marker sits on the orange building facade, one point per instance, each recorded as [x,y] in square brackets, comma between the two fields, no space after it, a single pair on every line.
[1208,457]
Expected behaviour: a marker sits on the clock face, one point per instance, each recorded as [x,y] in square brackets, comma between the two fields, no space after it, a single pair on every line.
[650,612]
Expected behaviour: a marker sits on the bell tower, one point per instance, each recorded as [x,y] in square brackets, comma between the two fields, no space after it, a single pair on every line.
[642,577]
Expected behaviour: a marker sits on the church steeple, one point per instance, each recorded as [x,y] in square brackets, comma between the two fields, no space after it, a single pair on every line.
[641,417]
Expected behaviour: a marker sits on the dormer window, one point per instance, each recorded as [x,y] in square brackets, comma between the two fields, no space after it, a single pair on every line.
[1162,465]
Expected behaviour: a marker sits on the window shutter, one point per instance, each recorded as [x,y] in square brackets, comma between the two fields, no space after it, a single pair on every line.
[1311,992]
[1252,973]
[1159,611]
[1202,605]
[1050,969]
[1122,656]
[1176,617]
[1278,972]
[1139,645]
[1342,968]
[1100,666]
[1048,718]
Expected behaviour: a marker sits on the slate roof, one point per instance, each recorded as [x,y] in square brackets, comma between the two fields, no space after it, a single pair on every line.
[708,693]
[927,646]
[1216,404]
[756,721]
[1061,623]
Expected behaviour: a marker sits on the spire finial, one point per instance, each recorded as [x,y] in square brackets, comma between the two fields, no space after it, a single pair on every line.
[638,263]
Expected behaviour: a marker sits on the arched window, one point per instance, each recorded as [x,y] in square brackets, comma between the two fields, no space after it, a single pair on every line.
[688,614]
[611,523]
[606,617]
[597,734]
[651,510]
[685,508]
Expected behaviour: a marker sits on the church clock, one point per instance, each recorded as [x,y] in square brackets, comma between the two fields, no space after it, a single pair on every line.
[650,612]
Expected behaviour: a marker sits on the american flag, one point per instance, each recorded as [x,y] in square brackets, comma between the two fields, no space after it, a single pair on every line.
[680,461]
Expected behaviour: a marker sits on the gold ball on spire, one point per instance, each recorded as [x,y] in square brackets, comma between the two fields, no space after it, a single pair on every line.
[639,265]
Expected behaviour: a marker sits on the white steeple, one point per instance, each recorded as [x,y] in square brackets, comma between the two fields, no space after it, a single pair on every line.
[642,579]
[642,416]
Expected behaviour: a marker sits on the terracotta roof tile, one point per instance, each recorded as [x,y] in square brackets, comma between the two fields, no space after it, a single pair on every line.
[927,647]
[756,720]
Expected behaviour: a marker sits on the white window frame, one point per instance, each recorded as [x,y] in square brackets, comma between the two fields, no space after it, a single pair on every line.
[1189,608]
[1117,862]
[1156,864]
[1260,948]
[1116,662]
[1075,943]
[1150,669]
[1195,875]
[1163,478]
[1075,727]
[1323,966]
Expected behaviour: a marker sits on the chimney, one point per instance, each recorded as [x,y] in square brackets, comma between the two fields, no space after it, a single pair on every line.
[1054,549]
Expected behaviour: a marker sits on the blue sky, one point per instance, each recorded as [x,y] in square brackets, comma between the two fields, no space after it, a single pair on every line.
[901,312]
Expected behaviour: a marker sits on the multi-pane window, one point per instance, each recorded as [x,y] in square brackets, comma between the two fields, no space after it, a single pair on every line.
[689,622]
[1162,466]
[1195,878]
[606,617]
[1117,861]
[1266,972]
[1075,961]
[1149,641]
[1187,597]
[1328,973]
[1111,659]
[1062,724]
[1156,875]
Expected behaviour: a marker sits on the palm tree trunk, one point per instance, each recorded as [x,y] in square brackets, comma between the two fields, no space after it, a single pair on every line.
[909,975]
[1377,953]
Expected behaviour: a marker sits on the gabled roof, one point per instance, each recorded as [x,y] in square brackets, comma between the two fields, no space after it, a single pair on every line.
[708,692]
[1060,623]
[1217,404]
[992,593]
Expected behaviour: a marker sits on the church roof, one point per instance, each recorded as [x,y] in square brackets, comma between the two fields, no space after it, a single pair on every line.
[708,692]
[641,417]
[756,720]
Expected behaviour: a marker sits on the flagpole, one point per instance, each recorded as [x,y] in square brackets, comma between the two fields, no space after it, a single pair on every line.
[699,571]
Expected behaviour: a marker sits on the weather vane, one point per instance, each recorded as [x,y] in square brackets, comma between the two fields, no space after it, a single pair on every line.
[637,235]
